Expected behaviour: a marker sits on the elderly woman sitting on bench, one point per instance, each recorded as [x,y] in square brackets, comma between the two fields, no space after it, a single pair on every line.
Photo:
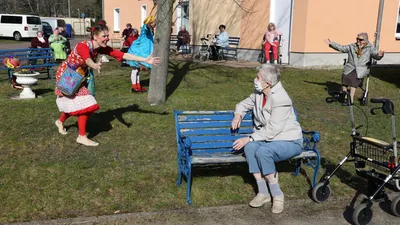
[277,135]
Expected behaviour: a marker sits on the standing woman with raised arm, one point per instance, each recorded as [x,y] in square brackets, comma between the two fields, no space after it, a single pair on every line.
[83,59]
[358,62]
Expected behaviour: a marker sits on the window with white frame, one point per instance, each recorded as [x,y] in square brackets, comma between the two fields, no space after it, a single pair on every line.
[116,20]
[143,14]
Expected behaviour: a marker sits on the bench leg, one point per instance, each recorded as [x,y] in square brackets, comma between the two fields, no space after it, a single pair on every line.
[317,162]
[51,74]
[189,184]
[298,167]
[180,169]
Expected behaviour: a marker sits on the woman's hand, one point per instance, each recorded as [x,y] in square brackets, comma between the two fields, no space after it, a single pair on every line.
[240,143]
[236,121]
[381,53]
[97,66]
[328,41]
[153,60]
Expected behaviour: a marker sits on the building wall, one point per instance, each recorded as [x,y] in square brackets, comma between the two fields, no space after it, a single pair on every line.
[206,16]
[130,12]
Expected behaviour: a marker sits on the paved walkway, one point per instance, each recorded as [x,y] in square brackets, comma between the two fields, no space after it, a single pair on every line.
[297,212]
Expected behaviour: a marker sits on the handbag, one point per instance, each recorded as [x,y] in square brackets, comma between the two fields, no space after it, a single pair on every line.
[71,80]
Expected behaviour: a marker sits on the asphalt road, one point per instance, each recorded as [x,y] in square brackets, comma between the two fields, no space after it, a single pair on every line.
[27,44]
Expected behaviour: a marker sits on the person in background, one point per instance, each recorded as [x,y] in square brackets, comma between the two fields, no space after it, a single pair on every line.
[221,41]
[83,59]
[271,39]
[127,31]
[277,136]
[358,62]
[142,47]
[38,42]
[127,43]
[57,43]
[183,38]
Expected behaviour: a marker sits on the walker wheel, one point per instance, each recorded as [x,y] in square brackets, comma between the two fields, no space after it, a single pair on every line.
[395,207]
[198,57]
[321,192]
[204,58]
[220,57]
[362,214]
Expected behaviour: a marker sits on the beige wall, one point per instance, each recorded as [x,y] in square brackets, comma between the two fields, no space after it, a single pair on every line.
[341,20]
[130,12]
[206,16]
[254,23]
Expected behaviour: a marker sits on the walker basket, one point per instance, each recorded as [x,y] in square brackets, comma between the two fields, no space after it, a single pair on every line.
[373,154]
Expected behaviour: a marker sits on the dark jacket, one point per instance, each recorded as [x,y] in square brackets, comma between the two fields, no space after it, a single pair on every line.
[36,43]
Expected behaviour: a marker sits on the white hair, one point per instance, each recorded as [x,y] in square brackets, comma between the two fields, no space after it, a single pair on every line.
[363,35]
[270,73]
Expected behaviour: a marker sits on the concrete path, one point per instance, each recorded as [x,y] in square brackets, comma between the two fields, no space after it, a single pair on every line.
[297,212]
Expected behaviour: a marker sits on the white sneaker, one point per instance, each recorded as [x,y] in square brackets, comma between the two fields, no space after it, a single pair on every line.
[275,61]
[267,62]
[104,59]
[259,200]
[277,205]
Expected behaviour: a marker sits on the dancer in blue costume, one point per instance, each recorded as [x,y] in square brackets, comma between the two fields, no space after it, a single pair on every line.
[142,47]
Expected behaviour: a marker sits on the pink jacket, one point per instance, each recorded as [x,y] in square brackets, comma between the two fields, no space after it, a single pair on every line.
[271,36]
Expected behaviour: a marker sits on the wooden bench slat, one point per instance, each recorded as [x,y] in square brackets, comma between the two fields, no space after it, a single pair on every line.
[232,138]
[211,145]
[232,158]
[188,132]
[211,124]
[227,117]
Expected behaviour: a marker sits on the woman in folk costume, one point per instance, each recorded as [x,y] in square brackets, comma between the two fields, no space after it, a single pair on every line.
[142,47]
[82,59]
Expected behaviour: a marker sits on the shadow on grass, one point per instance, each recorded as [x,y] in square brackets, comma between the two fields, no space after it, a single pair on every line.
[42,91]
[178,69]
[387,73]
[101,122]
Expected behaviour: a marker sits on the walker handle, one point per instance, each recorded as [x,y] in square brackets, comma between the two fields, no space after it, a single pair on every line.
[379,100]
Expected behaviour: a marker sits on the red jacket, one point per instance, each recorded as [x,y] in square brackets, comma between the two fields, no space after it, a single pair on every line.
[128,42]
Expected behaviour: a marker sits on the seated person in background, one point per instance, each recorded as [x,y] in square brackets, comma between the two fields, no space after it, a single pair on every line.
[38,42]
[127,31]
[271,39]
[57,43]
[127,43]
[183,38]
[220,42]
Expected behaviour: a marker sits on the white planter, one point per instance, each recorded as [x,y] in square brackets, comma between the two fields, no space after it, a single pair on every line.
[27,80]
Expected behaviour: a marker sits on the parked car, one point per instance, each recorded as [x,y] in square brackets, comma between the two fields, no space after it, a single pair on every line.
[54,22]
[19,26]
[47,29]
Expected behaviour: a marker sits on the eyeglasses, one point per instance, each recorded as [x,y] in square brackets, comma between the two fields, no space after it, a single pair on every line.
[359,39]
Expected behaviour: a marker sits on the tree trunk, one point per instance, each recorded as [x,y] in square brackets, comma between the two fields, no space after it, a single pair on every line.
[159,74]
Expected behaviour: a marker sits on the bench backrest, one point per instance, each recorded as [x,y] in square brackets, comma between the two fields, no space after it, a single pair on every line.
[206,132]
[27,53]
[234,42]
[209,131]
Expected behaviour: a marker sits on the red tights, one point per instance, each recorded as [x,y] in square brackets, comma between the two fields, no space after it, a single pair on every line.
[82,120]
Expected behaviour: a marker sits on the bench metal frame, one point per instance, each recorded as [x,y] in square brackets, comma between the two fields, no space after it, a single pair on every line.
[205,138]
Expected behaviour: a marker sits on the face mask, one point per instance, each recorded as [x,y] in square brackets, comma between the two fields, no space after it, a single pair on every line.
[257,85]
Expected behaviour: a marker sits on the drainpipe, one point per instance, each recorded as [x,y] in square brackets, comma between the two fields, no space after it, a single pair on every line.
[379,24]
[102,9]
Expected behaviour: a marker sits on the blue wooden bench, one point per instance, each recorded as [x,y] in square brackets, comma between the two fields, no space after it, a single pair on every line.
[26,55]
[205,138]
[231,50]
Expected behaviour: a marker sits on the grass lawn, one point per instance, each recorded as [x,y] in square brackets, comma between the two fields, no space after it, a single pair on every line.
[44,175]
[11,41]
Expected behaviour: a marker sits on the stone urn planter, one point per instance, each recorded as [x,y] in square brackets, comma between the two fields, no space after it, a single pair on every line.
[27,80]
